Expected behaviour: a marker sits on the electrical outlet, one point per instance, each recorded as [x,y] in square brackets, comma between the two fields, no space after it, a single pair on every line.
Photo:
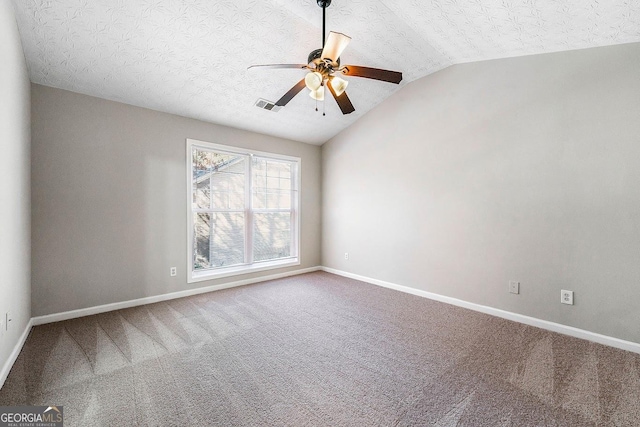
[514,287]
[566,297]
[346,255]
[173,271]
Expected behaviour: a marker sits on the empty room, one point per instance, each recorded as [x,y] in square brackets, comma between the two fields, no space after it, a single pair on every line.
[320,213]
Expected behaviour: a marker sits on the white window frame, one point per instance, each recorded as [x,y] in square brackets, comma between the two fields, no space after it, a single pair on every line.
[251,267]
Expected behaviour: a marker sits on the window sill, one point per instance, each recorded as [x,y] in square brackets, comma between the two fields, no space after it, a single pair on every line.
[219,273]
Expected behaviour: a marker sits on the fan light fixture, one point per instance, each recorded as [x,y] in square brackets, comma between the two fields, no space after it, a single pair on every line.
[313,80]
[317,94]
[339,85]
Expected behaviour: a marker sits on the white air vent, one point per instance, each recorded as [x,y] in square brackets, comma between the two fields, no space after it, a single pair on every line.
[267,105]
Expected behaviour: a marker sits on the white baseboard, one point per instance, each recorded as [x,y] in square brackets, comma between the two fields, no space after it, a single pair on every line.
[531,321]
[15,353]
[57,317]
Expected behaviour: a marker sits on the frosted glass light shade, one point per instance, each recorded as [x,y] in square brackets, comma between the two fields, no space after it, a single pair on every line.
[339,85]
[336,43]
[313,80]
[317,94]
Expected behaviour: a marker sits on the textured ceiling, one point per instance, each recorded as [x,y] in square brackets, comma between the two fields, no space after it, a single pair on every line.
[190,57]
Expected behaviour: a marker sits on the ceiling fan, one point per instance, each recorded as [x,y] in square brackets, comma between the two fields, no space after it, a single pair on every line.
[324,70]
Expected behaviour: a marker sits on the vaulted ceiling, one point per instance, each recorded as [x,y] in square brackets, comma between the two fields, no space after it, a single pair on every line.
[190,57]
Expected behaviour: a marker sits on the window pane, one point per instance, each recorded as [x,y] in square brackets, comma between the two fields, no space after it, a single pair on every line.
[271,184]
[218,239]
[285,183]
[202,195]
[227,190]
[227,183]
[279,199]
[201,241]
[277,169]
[218,180]
[259,200]
[201,163]
[272,236]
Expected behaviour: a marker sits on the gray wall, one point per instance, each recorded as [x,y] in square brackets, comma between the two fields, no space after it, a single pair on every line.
[15,138]
[109,194]
[517,169]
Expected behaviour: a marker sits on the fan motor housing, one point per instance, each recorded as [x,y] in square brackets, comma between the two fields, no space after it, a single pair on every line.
[316,57]
[316,54]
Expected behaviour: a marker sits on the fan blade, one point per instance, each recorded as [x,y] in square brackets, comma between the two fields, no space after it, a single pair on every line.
[292,92]
[343,100]
[300,66]
[336,43]
[372,73]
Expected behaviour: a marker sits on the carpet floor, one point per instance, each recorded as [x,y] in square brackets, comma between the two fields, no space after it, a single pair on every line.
[319,350]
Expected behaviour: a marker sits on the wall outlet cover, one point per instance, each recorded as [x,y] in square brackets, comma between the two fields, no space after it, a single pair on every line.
[566,297]
[514,287]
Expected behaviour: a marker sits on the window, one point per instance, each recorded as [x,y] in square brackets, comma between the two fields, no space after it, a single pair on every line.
[243,210]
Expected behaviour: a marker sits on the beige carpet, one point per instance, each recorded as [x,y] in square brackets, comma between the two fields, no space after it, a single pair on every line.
[319,350]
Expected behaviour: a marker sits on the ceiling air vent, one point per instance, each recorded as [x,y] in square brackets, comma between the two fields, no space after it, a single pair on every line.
[267,105]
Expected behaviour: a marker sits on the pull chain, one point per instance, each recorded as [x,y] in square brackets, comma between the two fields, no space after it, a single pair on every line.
[323,104]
